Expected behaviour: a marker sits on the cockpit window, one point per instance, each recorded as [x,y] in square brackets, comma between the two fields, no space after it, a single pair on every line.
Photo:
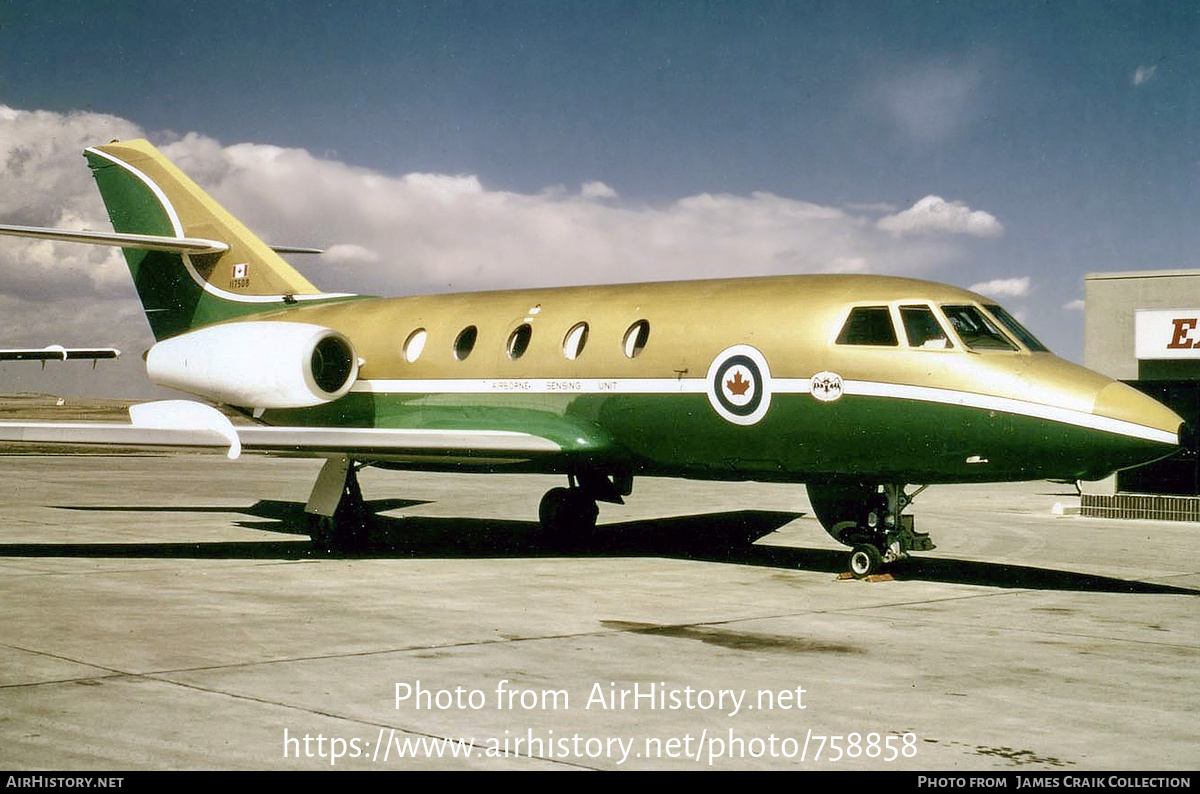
[868,325]
[1016,329]
[976,330]
[923,329]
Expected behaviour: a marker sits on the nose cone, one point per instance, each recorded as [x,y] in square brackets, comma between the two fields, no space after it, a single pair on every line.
[1142,429]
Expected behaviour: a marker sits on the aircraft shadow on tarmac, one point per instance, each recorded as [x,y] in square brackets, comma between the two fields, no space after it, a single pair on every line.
[728,537]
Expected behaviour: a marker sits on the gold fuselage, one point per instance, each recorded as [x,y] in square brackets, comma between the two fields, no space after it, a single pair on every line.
[943,414]
[792,320]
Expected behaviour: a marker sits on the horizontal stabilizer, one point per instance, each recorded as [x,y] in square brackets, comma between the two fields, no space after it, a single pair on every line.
[296,249]
[57,353]
[144,242]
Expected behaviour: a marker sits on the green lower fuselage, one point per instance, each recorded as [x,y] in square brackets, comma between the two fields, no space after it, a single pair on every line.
[871,439]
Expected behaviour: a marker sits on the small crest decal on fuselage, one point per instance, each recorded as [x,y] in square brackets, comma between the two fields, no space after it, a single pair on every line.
[827,386]
[739,385]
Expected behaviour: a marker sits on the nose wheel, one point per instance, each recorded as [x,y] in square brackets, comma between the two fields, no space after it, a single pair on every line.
[865,560]
[870,520]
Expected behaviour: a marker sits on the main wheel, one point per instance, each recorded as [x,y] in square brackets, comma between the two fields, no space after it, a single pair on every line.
[339,532]
[567,514]
[865,559]
[349,526]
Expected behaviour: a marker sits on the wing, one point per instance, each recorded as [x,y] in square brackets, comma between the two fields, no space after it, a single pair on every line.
[187,424]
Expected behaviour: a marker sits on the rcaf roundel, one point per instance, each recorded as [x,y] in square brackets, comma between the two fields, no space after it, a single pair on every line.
[739,385]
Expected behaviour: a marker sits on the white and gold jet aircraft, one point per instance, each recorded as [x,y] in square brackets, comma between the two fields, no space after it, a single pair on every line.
[855,385]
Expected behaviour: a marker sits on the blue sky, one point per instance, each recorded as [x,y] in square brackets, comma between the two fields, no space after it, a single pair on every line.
[1072,126]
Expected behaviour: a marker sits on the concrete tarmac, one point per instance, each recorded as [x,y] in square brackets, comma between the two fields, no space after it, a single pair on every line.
[166,612]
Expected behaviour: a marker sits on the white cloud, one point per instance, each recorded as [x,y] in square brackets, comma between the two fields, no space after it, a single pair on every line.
[1143,74]
[1074,306]
[1003,287]
[876,206]
[425,232]
[597,190]
[935,214]
[432,232]
[349,252]
[44,181]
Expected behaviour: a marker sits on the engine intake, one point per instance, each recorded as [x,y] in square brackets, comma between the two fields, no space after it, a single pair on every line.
[267,364]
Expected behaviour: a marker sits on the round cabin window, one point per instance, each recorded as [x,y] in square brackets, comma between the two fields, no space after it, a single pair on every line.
[464,343]
[518,341]
[635,338]
[574,341]
[414,344]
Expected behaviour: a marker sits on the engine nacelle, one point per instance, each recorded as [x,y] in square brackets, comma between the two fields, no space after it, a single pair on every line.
[267,364]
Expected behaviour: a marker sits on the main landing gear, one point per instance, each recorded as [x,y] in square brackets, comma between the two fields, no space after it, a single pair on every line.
[338,518]
[870,520]
[569,514]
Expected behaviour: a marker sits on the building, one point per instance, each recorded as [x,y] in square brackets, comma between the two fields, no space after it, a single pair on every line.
[1143,328]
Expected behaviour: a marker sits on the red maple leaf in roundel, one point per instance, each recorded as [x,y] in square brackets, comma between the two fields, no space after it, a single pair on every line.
[737,386]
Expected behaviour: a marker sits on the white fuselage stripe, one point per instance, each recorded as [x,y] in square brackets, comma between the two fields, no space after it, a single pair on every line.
[1068,416]
[533,386]
[1008,405]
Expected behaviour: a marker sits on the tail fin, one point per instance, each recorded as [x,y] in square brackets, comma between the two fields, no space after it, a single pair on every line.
[145,194]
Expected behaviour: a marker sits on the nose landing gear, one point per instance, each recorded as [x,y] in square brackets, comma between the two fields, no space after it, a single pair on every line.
[870,519]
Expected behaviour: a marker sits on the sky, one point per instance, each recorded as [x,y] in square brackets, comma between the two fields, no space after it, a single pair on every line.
[1008,147]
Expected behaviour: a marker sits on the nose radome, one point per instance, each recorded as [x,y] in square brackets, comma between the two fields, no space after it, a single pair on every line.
[1144,416]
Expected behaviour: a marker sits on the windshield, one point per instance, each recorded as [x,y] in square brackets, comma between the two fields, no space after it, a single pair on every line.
[1016,329]
[975,329]
[923,329]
